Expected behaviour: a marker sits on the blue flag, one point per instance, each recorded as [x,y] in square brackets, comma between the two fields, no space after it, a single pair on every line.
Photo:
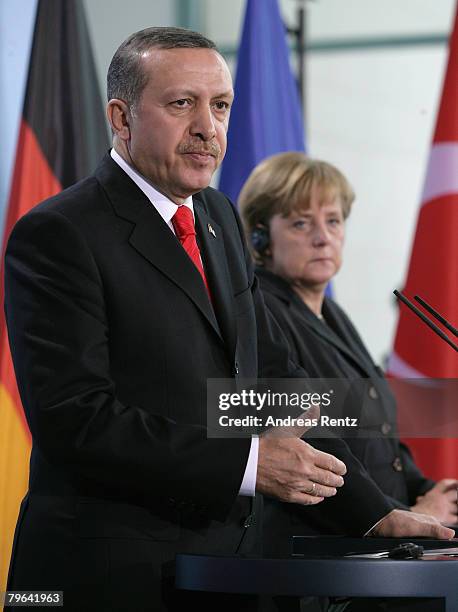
[266,116]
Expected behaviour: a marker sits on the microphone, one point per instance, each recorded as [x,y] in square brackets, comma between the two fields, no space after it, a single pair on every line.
[425,319]
[435,314]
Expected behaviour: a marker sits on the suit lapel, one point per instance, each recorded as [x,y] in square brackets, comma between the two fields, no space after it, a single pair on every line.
[386,408]
[211,244]
[337,335]
[344,341]
[152,238]
[345,346]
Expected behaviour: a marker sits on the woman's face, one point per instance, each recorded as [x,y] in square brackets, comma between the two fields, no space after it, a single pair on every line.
[306,246]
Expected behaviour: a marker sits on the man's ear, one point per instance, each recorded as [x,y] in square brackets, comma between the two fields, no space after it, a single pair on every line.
[118,114]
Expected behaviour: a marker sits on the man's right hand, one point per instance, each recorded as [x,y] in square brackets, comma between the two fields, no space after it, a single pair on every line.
[405,524]
[293,471]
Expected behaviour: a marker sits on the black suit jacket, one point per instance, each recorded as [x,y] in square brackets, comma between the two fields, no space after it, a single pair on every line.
[113,338]
[384,473]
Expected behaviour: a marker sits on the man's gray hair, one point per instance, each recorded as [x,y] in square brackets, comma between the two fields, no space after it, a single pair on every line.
[126,78]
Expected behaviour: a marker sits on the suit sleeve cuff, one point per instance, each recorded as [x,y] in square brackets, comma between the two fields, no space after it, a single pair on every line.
[369,531]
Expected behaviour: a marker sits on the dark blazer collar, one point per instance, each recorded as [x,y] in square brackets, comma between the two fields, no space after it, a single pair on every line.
[340,339]
[338,331]
[272,283]
[153,240]
[127,199]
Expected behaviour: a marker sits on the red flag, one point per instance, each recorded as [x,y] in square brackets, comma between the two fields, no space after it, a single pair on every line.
[61,137]
[433,271]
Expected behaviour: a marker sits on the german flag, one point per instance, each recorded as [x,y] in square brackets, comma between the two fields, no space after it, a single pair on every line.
[62,136]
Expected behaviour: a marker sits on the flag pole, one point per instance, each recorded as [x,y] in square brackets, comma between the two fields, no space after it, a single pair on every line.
[299,32]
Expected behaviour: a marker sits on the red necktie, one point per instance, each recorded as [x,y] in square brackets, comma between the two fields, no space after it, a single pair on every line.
[183,224]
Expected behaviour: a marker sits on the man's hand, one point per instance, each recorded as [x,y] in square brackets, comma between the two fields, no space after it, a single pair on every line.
[405,524]
[293,471]
[440,501]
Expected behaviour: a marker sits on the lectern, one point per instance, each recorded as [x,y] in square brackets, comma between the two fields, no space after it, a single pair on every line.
[329,575]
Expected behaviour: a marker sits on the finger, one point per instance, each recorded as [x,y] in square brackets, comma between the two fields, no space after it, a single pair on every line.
[446,484]
[304,499]
[452,514]
[313,412]
[451,519]
[329,462]
[442,533]
[291,431]
[432,528]
[324,477]
[323,491]
[309,417]
[317,490]
[451,495]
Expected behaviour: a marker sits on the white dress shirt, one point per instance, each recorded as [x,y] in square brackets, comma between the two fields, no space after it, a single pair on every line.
[166,208]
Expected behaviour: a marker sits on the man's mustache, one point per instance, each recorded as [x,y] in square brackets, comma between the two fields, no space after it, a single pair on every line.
[196,147]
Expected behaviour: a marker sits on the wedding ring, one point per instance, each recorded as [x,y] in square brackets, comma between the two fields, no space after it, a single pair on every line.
[312,490]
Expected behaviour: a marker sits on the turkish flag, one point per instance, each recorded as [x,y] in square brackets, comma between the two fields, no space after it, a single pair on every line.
[433,273]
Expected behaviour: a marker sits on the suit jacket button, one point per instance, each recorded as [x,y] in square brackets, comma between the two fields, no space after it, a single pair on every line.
[397,465]
[373,393]
[236,369]
[247,522]
[385,428]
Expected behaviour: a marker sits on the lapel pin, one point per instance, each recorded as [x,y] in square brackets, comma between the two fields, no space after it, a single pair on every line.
[211,230]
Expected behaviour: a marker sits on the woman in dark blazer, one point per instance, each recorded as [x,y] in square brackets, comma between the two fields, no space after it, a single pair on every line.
[294,209]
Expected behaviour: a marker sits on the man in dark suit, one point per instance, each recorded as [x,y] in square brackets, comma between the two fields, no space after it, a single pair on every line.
[115,328]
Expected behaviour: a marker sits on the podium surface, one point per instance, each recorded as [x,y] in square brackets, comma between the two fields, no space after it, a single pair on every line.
[332,577]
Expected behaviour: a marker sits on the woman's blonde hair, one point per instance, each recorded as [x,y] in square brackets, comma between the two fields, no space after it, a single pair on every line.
[283,183]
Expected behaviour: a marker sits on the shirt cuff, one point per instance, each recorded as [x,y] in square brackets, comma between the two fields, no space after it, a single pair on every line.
[248,486]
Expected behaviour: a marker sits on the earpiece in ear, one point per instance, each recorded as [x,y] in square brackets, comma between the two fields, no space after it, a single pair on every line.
[260,239]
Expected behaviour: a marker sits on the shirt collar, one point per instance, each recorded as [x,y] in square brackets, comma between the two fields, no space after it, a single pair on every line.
[164,206]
